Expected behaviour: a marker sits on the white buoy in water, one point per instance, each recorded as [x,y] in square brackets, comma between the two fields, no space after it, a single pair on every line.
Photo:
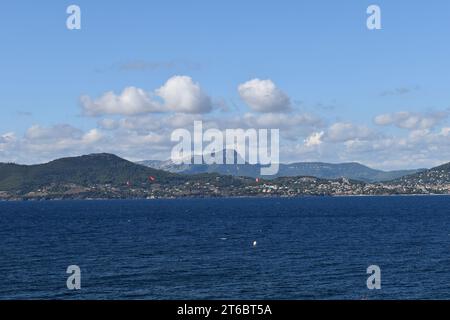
[255,243]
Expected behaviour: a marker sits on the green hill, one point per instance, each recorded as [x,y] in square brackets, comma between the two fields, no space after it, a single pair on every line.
[437,176]
[86,170]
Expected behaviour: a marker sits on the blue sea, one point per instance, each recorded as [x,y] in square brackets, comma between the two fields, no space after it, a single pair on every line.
[307,248]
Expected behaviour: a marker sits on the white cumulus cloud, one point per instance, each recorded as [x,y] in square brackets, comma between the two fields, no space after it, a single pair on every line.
[315,139]
[182,94]
[131,101]
[264,96]
[178,94]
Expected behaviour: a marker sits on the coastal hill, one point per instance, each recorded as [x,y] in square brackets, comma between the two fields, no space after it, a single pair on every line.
[435,176]
[84,170]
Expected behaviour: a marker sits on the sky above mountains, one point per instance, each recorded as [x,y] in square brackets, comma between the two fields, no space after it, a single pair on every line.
[137,70]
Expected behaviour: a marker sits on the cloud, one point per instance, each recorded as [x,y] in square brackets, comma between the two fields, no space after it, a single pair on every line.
[399,91]
[445,131]
[92,136]
[179,94]
[281,120]
[131,101]
[41,144]
[142,65]
[57,138]
[108,124]
[7,138]
[60,131]
[24,113]
[411,120]
[420,148]
[8,149]
[159,123]
[264,96]
[292,126]
[315,139]
[345,131]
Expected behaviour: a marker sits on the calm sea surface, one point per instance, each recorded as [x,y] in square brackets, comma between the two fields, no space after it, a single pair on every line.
[307,248]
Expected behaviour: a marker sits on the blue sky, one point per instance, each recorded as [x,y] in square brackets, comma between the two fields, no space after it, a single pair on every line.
[320,54]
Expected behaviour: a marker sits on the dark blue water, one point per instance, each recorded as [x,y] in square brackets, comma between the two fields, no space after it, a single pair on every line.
[308,248]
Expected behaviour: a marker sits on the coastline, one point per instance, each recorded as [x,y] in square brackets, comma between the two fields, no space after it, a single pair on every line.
[228,197]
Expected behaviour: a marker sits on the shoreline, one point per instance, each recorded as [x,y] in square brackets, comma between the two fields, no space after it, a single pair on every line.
[230,197]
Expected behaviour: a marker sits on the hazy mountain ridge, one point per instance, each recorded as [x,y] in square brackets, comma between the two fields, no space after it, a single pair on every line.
[351,170]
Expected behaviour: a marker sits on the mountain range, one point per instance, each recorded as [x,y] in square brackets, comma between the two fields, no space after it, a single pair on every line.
[350,170]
